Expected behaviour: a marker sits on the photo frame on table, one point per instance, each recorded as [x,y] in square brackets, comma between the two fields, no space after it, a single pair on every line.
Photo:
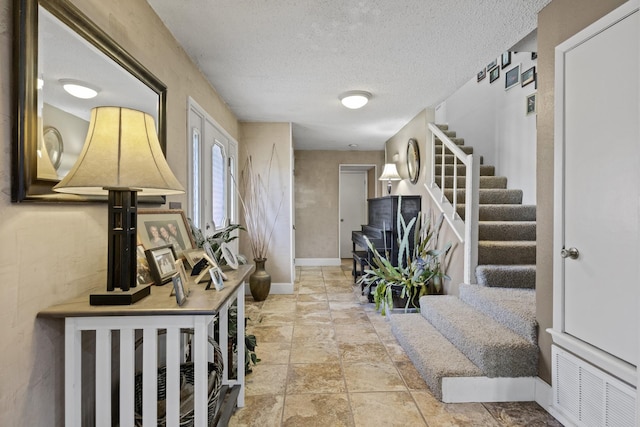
[531,103]
[229,256]
[183,275]
[161,227]
[162,263]
[512,77]
[482,74]
[505,60]
[143,274]
[178,289]
[193,256]
[528,76]
[494,74]
[216,278]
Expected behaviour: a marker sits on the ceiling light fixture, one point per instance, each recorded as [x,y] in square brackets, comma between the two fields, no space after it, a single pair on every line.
[355,99]
[79,89]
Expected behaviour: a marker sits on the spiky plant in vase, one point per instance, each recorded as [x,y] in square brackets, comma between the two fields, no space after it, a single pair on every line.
[260,220]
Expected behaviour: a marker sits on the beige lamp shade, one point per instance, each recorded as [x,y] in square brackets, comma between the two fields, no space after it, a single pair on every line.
[390,173]
[121,151]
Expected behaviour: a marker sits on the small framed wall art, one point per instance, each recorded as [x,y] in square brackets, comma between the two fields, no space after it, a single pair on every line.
[512,77]
[528,76]
[531,104]
[494,74]
[505,60]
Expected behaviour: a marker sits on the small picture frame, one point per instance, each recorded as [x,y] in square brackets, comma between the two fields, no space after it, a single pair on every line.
[230,258]
[208,250]
[143,273]
[512,77]
[528,76]
[492,65]
[494,74]
[505,60]
[183,275]
[193,256]
[178,289]
[216,278]
[534,56]
[482,74]
[531,104]
[162,263]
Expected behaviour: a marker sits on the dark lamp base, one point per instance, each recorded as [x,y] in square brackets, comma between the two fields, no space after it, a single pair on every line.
[119,297]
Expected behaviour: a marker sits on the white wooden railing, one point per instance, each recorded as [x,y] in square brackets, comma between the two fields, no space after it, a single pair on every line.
[466,230]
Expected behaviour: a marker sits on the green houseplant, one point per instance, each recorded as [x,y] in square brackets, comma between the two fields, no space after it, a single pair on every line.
[418,272]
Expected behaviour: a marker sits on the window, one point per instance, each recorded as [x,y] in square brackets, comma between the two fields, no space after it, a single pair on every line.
[218,185]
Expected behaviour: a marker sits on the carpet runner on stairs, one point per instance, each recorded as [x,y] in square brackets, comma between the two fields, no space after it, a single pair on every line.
[489,332]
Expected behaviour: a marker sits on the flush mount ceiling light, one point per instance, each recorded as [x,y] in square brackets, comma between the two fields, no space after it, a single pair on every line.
[79,89]
[355,99]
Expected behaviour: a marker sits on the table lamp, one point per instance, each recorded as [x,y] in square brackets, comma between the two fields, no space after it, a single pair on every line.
[390,173]
[121,158]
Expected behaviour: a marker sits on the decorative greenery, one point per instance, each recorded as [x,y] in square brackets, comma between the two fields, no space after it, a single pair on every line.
[255,198]
[250,342]
[413,275]
[219,236]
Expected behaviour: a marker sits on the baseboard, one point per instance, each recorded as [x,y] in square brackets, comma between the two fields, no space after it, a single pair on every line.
[484,389]
[317,262]
[276,289]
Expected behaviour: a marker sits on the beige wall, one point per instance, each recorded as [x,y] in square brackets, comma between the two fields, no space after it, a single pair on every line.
[557,22]
[417,128]
[316,198]
[48,252]
[257,140]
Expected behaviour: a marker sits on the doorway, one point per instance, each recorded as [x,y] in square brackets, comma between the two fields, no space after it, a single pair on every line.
[356,185]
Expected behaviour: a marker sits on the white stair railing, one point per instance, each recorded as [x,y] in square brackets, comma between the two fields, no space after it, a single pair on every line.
[466,230]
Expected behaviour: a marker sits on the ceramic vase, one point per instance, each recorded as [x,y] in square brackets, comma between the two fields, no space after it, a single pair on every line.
[260,281]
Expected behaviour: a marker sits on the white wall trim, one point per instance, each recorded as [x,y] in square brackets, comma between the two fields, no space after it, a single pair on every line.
[276,289]
[317,262]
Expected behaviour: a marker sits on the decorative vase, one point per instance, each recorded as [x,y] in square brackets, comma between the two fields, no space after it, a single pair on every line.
[436,286]
[260,281]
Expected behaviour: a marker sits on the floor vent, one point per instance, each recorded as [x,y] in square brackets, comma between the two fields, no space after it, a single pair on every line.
[589,396]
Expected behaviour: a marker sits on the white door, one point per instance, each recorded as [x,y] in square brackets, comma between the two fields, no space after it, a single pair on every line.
[601,188]
[353,207]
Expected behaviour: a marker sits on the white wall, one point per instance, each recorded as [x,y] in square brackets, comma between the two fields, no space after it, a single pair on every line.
[494,121]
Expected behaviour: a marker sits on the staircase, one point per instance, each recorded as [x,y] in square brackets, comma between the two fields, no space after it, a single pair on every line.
[482,345]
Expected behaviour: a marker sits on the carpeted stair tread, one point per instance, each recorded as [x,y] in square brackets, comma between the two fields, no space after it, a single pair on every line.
[489,196]
[447,152]
[485,182]
[449,133]
[494,348]
[485,170]
[431,353]
[513,308]
[507,276]
[503,212]
[442,126]
[507,230]
[457,141]
[506,252]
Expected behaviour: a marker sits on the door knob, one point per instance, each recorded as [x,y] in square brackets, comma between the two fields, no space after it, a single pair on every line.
[570,253]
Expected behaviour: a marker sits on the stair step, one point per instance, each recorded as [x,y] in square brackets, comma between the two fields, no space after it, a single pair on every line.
[503,212]
[489,196]
[485,181]
[485,170]
[432,354]
[507,276]
[464,149]
[448,159]
[457,141]
[494,348]
[449,133]
[513,308]
[507,230]
[506,252]
[442,126]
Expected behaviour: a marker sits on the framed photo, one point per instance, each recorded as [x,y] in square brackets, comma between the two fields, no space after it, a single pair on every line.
[143,275]
[164,227]
[228,255]
[216,278]
[494,74]
[492,65]
[482,74]
[183,275]
[534,56]
[531,103]
[505,60]
[162,263]
[193,256]
[178,289]
[208,250]
[512,77]
[528,76]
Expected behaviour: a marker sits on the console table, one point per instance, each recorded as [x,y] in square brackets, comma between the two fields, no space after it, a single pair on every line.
[158,311]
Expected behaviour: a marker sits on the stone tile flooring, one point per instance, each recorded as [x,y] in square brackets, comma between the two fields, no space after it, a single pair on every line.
[329,359]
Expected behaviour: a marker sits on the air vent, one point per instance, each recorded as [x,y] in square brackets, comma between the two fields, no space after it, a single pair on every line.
[589,396]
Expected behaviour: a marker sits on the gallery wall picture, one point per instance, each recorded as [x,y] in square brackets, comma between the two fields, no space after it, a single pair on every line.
[494,74]
[512,77]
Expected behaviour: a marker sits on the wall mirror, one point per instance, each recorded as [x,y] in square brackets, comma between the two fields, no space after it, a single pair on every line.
[413,160]
[57,45]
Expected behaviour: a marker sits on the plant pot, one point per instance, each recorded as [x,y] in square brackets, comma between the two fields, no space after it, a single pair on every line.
[260,281]
[435,286]
[401,302]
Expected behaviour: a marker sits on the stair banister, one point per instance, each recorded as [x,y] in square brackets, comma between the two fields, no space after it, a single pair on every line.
[467,230]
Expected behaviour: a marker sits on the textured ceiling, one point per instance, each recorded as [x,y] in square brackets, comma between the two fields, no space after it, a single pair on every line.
[288,60]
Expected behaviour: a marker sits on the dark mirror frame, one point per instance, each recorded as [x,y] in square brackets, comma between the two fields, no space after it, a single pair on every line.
[25,186]
[413,160]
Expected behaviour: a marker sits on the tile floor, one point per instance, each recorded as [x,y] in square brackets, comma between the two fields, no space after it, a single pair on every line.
[329,359]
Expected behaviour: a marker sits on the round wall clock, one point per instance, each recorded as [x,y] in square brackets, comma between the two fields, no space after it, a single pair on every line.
[54,146]
[413,160]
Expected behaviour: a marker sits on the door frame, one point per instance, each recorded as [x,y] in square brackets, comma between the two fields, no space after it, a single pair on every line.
[346,167]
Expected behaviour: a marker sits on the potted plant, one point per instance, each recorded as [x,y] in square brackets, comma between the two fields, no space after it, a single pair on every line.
[260,220]
[221,235]
[417,273]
